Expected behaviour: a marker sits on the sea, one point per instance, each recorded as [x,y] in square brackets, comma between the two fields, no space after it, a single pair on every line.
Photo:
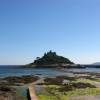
[13,70]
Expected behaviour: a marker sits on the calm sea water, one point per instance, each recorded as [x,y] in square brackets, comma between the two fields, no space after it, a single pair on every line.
[95,70]
[19,71]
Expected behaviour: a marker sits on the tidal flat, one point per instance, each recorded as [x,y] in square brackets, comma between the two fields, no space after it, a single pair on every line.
[77,86]
[83,86]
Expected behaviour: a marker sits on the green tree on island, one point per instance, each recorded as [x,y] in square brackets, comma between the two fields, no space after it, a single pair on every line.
[51,58]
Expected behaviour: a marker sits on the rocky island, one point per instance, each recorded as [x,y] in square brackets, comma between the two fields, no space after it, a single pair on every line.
[52,60]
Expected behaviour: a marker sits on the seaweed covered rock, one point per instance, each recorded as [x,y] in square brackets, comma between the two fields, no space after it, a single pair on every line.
[53,81]
[71,86]
[58,80]
[4,88]
[21,79]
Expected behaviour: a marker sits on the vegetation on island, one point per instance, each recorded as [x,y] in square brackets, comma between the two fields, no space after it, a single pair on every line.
[50,59]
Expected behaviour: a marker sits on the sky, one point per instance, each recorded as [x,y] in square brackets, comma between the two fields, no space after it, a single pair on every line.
[28,28]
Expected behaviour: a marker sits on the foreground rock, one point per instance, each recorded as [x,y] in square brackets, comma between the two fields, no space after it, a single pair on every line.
[8,90]
[15,80]
[59,80]
[8,93]
[69,87]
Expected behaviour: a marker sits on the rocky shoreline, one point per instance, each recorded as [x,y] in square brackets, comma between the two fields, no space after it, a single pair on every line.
[8,90]
[11,87]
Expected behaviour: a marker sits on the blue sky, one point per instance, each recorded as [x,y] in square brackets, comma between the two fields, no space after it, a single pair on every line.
[28,28]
